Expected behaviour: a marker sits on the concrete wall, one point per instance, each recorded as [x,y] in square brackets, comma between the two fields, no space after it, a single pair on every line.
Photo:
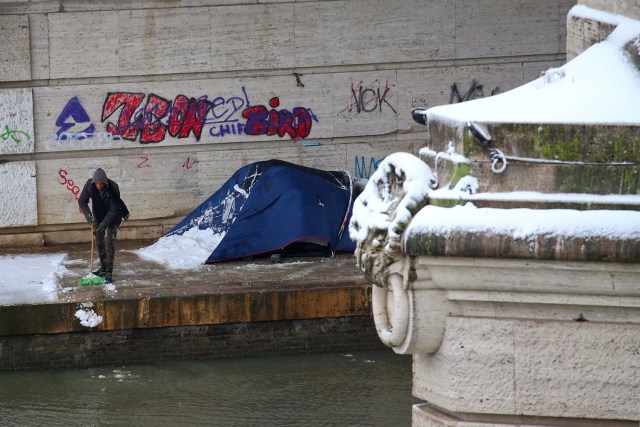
[163,94]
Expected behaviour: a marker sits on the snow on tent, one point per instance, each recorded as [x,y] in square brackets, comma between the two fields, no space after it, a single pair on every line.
[276,206]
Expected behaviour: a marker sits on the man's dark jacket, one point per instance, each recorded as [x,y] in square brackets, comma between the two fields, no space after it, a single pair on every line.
[108,208]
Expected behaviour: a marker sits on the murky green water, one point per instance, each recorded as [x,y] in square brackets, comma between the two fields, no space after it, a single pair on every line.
[335,389]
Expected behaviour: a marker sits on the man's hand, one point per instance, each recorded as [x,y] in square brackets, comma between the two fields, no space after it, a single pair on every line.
[89,218]
[100,229]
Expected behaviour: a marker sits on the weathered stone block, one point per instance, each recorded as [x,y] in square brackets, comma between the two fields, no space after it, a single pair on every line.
[268,44]
[18,198]
[15,60]
[577,369]
[39,39]
[535,368]
[16,121]
[373,31]
[473,371]
[533,27]
[83,44]
[583,33]
[162,41]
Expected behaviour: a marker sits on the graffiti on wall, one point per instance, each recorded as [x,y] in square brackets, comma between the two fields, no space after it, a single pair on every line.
[183,116]
[364,170]
[475,91]
[369,98]
[84,140]
[151,118]
[16,122]
[262,121]
[73,113]
[15,136]
[180,168]
[68,183]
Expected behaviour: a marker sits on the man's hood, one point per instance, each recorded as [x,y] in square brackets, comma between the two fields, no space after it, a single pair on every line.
[100,176]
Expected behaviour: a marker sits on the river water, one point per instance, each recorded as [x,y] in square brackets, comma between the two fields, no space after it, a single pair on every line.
[328,389]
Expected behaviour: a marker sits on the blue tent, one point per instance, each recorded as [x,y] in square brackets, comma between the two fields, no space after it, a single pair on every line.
[276,207]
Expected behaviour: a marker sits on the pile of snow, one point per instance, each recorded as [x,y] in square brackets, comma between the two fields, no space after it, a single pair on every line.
[601,85]
[187,251]
[88,316]
[27,279]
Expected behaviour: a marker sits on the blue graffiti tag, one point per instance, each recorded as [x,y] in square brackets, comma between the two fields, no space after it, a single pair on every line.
[360,168]
[73,110]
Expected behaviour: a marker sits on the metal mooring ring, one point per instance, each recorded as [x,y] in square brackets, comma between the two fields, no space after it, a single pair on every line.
[497,157]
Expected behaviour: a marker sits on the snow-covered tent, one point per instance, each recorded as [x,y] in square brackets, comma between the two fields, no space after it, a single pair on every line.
[276,206]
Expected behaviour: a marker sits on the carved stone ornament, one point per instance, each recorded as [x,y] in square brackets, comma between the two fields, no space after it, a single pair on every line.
[394,194]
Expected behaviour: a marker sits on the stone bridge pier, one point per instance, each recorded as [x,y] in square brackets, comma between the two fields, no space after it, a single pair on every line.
[537,331]
[506,258]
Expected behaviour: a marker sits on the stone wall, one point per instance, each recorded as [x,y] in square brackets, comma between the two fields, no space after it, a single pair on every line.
[628,8]
[129,346]
[170,97]
[588,27]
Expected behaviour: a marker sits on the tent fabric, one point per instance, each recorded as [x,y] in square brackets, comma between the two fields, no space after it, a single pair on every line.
[272,205]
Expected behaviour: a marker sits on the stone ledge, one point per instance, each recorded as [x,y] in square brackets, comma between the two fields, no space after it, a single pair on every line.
[427,415]
[348,299]
[22,240]
[482,245]
[59,234]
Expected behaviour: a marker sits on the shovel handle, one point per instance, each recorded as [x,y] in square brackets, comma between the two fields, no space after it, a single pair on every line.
[92,244]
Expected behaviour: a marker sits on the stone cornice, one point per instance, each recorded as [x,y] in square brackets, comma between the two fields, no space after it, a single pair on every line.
[539,247]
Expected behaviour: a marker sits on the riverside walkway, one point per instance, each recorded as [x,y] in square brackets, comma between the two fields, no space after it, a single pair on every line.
[249,307]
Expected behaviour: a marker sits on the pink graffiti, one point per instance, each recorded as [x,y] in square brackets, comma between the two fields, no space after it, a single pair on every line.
[263,121]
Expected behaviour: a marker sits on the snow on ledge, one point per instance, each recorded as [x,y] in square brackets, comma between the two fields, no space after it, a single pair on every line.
[599,86]
[535,196]
[527,223]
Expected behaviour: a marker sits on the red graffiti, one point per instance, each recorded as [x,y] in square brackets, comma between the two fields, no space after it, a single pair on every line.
[129,102]
[188,164]
[71,186]
[153,130]
[186,115]
[143,163]
[261,121]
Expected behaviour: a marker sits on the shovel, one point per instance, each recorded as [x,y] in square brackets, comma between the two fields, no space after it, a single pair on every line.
[91,279]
